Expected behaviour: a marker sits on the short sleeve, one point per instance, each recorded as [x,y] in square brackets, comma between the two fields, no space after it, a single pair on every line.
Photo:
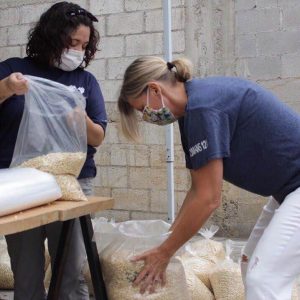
[95,107]
[205,135]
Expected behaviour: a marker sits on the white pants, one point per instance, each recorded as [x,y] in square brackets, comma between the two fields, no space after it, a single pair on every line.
[273,250]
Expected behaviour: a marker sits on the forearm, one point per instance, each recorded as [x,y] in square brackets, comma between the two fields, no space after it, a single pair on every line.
[5,92]
[182,208]
[193,214]
[95,133]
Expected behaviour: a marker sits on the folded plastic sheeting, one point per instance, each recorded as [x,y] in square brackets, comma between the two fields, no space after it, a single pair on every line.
[23,188]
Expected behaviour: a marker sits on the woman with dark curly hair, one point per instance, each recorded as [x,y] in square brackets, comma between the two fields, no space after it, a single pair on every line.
[62,43]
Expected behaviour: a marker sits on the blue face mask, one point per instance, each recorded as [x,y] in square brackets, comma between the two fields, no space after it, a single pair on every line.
[161,116]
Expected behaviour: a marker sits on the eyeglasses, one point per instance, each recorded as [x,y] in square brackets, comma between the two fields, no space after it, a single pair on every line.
[82,12]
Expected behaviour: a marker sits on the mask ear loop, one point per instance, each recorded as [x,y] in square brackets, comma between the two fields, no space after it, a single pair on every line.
[161,98]
[148,96]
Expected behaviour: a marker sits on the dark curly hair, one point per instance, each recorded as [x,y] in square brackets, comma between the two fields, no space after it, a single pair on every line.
[51,34]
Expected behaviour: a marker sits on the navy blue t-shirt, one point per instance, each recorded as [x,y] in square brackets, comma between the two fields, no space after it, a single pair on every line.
[11,110]
[256,135]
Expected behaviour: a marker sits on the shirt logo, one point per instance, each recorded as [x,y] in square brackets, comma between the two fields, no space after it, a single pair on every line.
[199,147]
[74,88]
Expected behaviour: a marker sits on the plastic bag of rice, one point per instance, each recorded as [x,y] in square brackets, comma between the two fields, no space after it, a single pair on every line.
[65,167]
[197,289]
[200,267]
[130,239]
[207,248]
[52,135]
[6,275]
[226,279]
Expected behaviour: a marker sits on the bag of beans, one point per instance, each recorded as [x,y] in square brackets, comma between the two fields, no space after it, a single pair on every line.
[52,135]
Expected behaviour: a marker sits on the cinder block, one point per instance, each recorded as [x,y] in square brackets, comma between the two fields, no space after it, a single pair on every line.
[126,23]
[32,13]
[246,45]
[244,4]
[102,191]
[103,155]
[154,19]
[116,215]
[131,199]
[117,177]
[111,90]
[18,34]
[119,155]
[137,215]
[7,52]
[264,67]
[178,41]
[139,177]
[3,37]
[288,3]
[159,201]
[182,179]
[9,16]
[97,68]
[103,7]
[249,212]
[157,155]
[266,3]
[252,21]
[112,111]
[111,177]
[144,44]
[138,156]
[281,42]
[291,65]
[134,5]
[286,89]
[100,26]
[158,178]
[116,67]
[111,47]
[290,17]
[152,134]
[179,157]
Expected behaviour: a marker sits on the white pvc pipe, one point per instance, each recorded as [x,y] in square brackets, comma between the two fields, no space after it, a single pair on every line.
[167,7]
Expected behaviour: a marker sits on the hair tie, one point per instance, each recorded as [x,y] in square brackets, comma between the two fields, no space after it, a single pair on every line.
[170,65]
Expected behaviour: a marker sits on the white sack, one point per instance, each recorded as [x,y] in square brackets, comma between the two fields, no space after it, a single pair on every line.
[23,188]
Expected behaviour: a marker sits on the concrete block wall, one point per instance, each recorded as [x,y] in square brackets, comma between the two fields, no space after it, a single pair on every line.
[256,39]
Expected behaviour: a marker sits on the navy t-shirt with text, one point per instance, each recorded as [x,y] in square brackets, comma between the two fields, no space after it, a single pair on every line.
[11,110]
[256,135]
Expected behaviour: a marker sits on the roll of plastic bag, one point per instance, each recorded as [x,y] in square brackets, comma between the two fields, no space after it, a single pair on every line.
[23,188]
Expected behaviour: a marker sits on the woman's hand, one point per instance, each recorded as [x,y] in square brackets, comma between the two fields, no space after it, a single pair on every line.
[154,272]
[16,83]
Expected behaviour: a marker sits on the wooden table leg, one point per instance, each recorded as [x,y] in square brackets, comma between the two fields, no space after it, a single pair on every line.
[60,259]
[93,258]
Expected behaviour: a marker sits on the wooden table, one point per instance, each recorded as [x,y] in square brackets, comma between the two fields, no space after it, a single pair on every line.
[67,212]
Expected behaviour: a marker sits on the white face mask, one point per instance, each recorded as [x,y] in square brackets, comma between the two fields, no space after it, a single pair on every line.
[70,60]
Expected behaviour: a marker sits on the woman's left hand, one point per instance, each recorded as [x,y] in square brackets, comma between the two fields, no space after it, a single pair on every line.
[154,272]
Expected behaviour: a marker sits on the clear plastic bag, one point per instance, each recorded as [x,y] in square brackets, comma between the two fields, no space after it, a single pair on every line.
[52,135]
[25,188]
[201,255]
[133,238]
[226,278]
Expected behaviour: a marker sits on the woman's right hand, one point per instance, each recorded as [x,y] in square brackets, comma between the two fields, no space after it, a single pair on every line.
[16,83]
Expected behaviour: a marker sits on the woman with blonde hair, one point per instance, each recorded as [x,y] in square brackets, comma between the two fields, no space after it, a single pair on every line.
[231,129]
